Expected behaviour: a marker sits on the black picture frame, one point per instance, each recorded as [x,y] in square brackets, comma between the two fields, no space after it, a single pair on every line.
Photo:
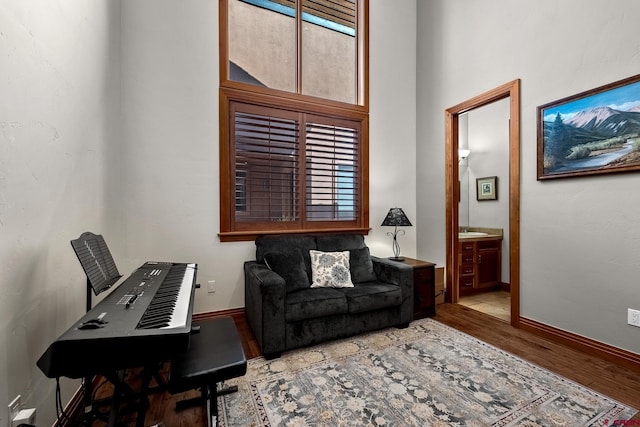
[487,188]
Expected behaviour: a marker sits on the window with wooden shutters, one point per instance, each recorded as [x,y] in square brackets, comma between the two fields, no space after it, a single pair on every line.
[331,171]
[293,117]
[266,165]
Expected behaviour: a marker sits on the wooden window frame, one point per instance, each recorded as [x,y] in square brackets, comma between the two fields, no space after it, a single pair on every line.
[233,91]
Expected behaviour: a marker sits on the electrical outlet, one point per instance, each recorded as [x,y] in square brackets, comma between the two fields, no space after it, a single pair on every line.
[633,317]
[211,286]
[14,408]
[25,416]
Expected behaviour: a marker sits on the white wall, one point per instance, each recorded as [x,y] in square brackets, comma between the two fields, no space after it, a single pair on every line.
[392,122]
[580,238]
[59,167]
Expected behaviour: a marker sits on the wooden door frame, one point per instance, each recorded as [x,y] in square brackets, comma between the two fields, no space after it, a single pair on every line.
[509,90]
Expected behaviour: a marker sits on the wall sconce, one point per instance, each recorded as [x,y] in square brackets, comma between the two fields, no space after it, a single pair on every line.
[396,218]
[463,153]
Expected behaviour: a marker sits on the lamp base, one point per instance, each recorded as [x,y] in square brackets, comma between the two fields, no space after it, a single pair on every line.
[396,258]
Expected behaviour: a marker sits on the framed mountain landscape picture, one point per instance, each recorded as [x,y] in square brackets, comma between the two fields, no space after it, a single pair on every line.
[594,132]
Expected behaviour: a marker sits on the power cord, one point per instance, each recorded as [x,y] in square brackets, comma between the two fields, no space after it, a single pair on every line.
[60,413]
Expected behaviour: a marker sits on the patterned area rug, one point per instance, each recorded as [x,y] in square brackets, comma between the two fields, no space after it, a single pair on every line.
[425,375]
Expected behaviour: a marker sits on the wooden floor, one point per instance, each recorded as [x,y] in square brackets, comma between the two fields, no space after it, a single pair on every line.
[598,374]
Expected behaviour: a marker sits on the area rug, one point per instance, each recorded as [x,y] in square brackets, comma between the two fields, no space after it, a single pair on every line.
[425,375]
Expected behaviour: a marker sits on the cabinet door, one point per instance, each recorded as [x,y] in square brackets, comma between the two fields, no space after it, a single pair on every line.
[424,292]
[489,267]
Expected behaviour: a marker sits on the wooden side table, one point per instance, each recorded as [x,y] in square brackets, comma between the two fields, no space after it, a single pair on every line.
[424,288]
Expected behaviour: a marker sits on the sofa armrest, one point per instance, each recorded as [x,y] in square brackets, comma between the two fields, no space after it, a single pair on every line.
[399,274]
[264,299]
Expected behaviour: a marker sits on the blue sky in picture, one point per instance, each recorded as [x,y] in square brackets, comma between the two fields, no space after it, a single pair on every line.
[621,98]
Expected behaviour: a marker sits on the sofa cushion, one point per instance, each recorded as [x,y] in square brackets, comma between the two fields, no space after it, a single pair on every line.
[279,244]
[330,269]
[312,303]
[361,266]
[365,297]
[290,266]
[340,242]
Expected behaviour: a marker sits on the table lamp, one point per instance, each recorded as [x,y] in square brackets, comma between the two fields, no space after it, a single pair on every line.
[396,218]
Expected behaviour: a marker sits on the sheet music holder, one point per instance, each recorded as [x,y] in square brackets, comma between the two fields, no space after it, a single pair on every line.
[97,263]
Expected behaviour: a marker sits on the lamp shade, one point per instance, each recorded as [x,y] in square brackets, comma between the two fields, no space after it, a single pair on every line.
[396,217]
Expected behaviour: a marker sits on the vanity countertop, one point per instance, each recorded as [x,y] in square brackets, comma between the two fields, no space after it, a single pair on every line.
[480,233]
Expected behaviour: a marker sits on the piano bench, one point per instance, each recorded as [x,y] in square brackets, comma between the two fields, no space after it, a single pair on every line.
[215,354]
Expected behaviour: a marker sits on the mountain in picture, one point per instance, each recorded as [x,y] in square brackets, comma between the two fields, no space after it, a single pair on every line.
[591,138]
[607,121]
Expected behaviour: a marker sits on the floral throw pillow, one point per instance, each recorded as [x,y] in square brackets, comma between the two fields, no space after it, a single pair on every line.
[330,269]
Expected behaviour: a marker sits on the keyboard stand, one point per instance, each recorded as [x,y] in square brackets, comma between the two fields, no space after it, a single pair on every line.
[124,393]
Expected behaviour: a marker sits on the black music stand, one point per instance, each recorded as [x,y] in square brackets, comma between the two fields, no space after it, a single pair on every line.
[97,263]
[102,273]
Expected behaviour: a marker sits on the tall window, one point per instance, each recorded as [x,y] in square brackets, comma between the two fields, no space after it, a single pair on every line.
[293,117]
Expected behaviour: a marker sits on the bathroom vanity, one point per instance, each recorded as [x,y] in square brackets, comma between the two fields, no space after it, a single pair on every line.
[479,259]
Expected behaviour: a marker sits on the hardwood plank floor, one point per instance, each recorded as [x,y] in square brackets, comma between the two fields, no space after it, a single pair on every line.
[605,377]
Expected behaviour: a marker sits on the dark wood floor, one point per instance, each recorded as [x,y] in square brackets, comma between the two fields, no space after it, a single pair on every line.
[603,376]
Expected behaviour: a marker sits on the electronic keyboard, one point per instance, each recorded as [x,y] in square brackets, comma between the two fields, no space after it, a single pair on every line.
[144,320]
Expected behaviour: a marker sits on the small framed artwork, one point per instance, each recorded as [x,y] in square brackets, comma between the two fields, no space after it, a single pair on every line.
[487,188]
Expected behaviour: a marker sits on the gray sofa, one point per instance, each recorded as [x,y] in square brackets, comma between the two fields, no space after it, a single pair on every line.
[285,312]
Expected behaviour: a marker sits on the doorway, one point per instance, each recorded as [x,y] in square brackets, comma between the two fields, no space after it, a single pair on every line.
[510,91]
